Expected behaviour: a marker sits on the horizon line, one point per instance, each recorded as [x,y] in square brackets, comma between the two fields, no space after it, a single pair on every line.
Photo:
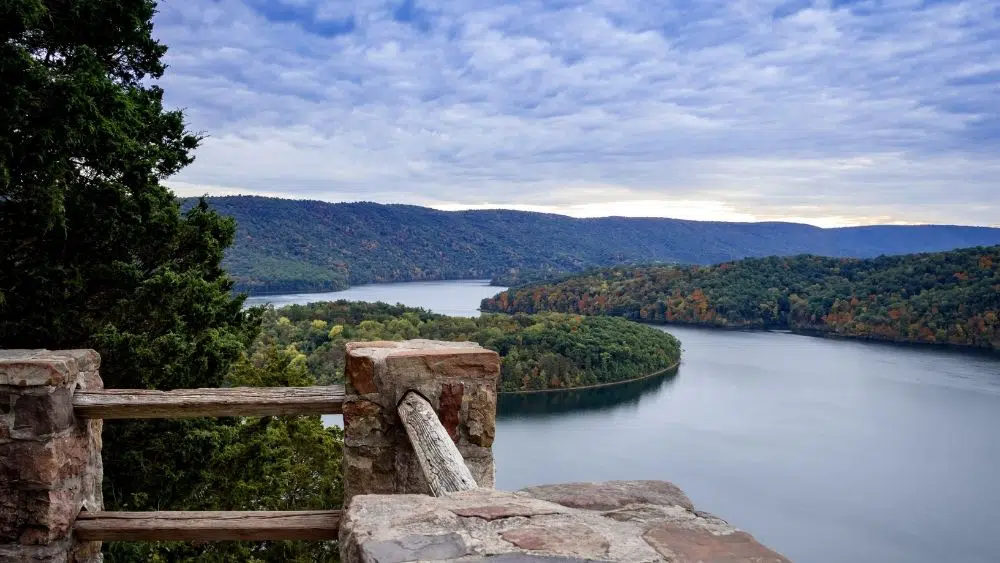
[461,208]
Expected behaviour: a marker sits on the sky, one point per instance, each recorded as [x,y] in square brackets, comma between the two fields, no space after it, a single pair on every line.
[829,113]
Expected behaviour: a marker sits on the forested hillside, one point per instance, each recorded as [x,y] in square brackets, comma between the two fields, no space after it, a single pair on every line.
[546,351]
[946,297]
[286,245]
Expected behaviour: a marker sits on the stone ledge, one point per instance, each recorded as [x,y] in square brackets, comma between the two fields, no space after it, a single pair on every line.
[24,368]
[623,521]
[391,368]
[612,494]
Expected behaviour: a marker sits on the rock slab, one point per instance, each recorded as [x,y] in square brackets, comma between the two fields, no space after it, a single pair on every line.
[618,521]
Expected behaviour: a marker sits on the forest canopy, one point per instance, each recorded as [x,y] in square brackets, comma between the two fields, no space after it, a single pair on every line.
[285,246]
[545,351]
[942,298]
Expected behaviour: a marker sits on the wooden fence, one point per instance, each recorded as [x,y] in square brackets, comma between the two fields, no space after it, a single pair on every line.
[437,454]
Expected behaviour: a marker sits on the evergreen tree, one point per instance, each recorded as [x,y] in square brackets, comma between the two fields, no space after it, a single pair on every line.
[95,251]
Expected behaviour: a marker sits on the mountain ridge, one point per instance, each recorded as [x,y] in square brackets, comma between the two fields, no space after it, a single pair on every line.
[287,245]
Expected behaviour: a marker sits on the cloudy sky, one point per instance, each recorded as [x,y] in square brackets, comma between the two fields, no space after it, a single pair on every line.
[830,113]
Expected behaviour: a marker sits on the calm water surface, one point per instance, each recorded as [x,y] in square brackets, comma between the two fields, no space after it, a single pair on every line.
[826,450]
[457,298]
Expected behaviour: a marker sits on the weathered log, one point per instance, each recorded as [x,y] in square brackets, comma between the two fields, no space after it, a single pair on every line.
[230,401]
[443,465]
[207,526]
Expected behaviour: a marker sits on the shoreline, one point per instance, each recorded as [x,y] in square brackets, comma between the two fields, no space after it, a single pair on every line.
[250,294]
[671,367]
[830,335]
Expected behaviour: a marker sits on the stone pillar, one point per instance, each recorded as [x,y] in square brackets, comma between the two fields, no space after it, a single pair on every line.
[50,461]
[458,379]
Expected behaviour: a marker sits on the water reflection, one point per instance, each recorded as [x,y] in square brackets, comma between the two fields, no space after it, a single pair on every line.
[554,403]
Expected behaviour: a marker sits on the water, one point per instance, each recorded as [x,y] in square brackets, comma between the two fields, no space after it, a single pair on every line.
[456,298]
[826,450]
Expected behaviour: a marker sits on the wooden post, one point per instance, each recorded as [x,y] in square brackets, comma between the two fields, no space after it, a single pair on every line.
[443,466]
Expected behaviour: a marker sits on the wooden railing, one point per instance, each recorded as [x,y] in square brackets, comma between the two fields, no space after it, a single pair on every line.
[208,526]
[439,458]
[187,403]
[419,417]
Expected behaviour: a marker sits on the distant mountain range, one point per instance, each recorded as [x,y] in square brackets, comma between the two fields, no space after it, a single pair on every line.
[293,245]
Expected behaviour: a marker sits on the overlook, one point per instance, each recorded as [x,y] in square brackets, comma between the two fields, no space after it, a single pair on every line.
[419,423]
[496,281]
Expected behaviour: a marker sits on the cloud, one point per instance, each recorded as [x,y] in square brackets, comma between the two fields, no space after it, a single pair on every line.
[827,112]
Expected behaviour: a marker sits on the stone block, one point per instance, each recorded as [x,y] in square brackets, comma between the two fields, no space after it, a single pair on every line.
[44,413]
[32,368]
[57,552]
[85,360]
[458,379]
[50,461]
[446,363]
[565,538]
[450,407]
[483,471]
[364,423]
[44,465]
[13,511]
[34,372]
[682,544]
[482,417]
[367,473]
[359,372]
[397,367]
[50,516]
[417,548]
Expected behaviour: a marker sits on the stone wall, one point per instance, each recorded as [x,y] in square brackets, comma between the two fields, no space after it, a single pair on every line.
[458,379]
[618,521]
[50,461]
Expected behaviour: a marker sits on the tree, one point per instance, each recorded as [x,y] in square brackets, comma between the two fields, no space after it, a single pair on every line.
[95,251]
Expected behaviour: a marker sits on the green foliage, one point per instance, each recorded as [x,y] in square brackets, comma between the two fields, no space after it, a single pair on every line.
[516,277]
[288,246]
[268,463]
[948,297]
[547,351]
[97,254]
[96,251]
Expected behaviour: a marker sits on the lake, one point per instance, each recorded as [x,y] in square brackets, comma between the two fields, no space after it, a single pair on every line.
[826,450]
[456,298]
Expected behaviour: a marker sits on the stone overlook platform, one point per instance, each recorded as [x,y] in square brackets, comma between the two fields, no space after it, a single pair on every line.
[619,521]
[418,467]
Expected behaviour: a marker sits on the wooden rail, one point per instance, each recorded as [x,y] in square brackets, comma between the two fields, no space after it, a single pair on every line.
[207,526]
[443,465]
[439,458]
[230,401]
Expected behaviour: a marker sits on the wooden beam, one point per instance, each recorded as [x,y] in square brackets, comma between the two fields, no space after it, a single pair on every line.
[443,465]
[229,401]
[207,526]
